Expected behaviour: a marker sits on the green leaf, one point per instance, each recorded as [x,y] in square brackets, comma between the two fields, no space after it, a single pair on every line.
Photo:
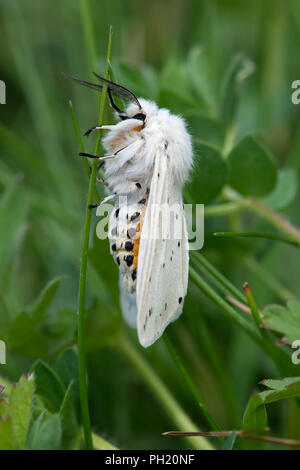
[48,385]
[67,368]
[283,320]
[46,433]
[198,75]
[33,435]
[20,331]
[63,324]
[6,434]
[285,190]
[102,444]
[252,170]
[173,78]
[176,101]
[20,409]
[204,127]
[40,305]
[230,441]
[209,174]
[239,69]
[255,418]
[289,387]
[25,324]
[4,408]
[174,89]
[68,418]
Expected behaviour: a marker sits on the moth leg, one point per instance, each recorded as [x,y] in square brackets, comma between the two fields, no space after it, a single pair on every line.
[100,180]
[101,157]
[97,128]
[104,201]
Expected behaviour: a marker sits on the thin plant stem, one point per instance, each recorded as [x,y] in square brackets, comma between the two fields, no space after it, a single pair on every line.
[254,310]
[267,235]
[280,357]
[222,209]
[259,208]
[276,355]
[207,415]
[275,219]
[81,145]
[83,271]
[229,312]
[221,281]
[170,405]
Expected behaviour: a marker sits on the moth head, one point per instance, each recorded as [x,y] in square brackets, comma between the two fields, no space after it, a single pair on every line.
[135,112]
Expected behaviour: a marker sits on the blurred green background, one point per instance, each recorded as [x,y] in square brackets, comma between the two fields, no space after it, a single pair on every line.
[43,186]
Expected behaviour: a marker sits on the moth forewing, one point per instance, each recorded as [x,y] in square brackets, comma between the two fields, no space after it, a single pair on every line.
[163,256]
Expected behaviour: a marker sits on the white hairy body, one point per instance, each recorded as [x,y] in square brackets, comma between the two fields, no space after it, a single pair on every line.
[151,162]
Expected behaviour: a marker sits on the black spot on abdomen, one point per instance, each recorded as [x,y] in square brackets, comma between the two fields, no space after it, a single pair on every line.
[129,246]
[128,259]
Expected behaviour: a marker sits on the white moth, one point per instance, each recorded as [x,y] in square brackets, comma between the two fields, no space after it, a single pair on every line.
[148,161]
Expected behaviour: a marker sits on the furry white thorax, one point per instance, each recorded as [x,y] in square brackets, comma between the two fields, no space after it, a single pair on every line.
[136,146]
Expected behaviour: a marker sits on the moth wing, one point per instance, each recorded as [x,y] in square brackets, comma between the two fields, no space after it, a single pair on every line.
[162,262]
[128,304]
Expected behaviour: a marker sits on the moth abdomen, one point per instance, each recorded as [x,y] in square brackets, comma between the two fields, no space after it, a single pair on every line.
[125,233]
